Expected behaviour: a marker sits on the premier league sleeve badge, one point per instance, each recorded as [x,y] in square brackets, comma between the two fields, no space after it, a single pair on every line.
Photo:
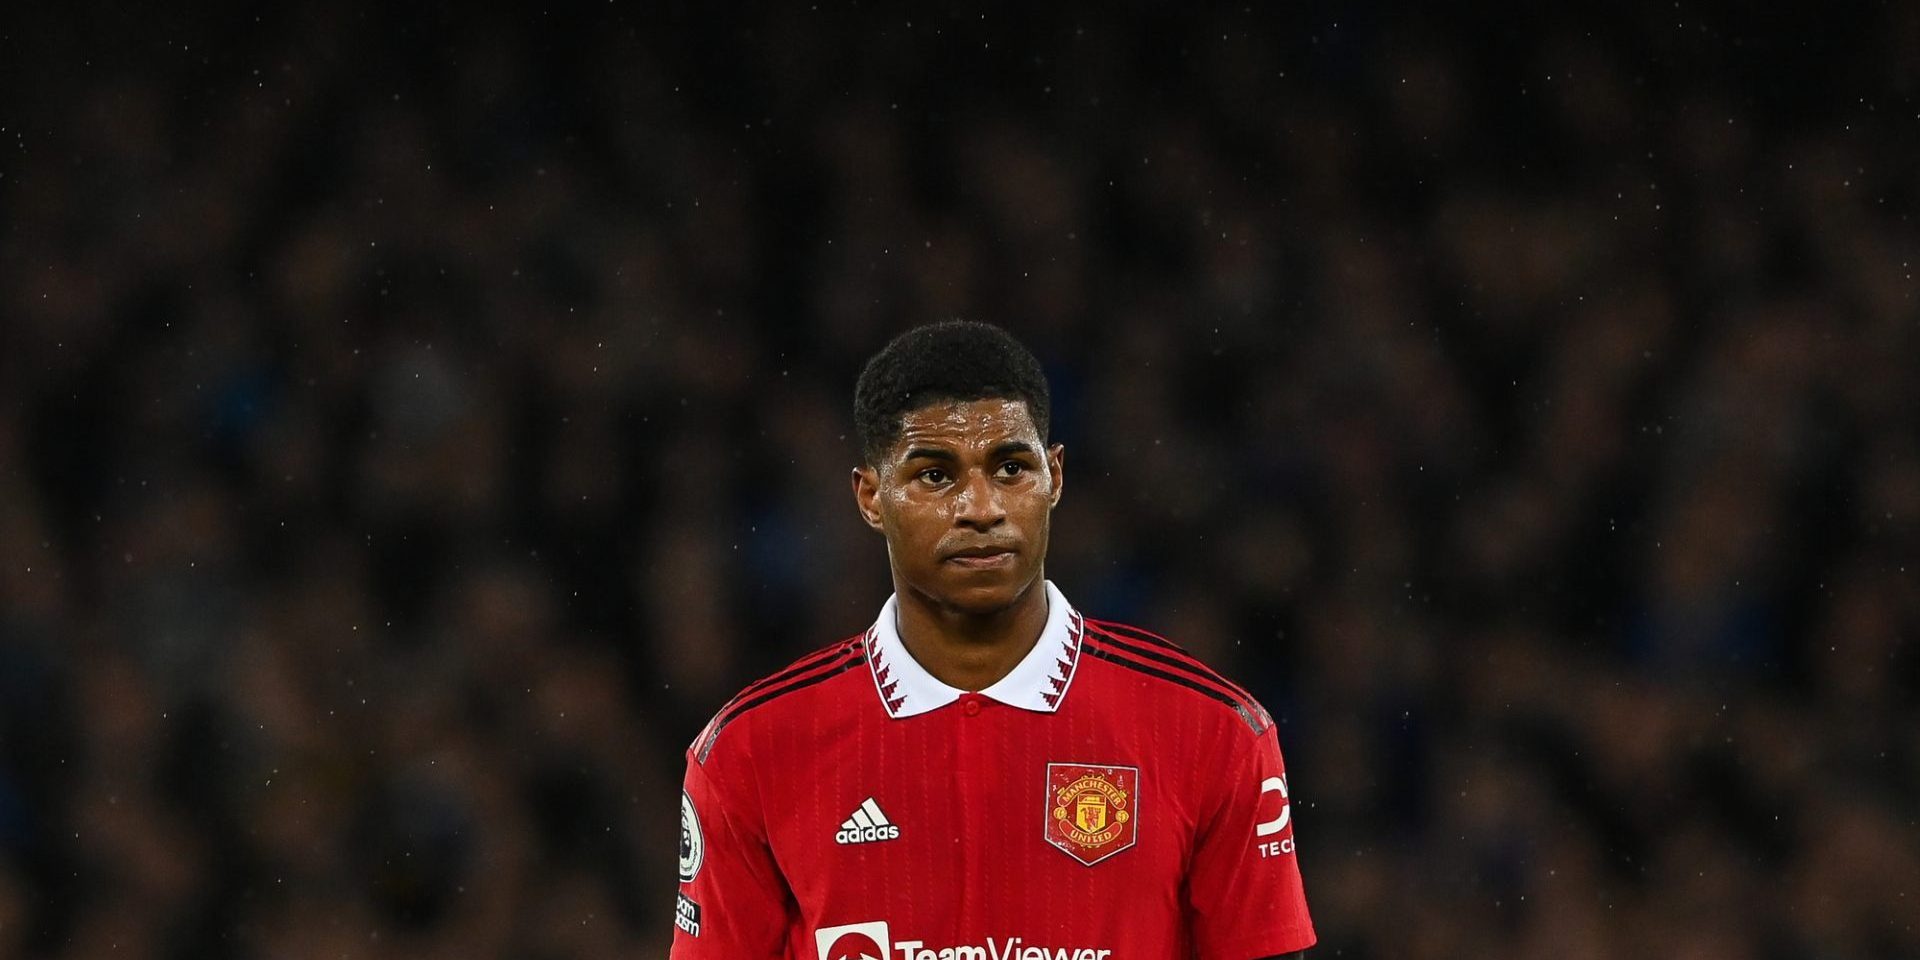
[693,840]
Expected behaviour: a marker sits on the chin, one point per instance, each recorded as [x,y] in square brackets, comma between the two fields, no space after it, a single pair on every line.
[983,595]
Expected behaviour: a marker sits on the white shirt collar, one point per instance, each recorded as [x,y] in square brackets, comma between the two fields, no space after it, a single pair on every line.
[1038,682]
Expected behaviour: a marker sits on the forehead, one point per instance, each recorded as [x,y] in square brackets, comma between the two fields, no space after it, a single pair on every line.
[968,423]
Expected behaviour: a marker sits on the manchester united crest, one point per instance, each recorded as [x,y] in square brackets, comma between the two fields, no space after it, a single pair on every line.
[1093,811]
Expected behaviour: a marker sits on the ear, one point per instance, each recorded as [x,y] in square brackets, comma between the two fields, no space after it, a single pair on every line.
[866,495]
[1056,465]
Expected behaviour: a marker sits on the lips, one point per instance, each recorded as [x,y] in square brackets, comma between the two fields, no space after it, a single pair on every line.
[981,555]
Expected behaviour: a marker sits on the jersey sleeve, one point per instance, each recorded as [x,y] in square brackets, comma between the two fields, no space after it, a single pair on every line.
[734,903]
[1244,896]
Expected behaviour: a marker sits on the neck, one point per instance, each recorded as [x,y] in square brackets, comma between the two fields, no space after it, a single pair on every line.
[966,650]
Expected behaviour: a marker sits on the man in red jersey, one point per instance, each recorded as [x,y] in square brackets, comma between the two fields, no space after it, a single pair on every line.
[984,773]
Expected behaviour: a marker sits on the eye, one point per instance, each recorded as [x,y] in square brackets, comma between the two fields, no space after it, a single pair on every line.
[933,475]
[1012,468]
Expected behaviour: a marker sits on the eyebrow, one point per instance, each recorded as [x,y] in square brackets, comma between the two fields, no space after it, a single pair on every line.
[930,453]
[947,456]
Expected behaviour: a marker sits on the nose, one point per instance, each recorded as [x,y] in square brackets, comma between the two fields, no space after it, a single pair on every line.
[978,503]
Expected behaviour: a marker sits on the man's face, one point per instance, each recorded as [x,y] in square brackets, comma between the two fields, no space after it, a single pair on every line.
[964,498]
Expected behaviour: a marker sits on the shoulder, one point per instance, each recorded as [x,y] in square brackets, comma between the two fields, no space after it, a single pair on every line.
[1168,672]
[783,686]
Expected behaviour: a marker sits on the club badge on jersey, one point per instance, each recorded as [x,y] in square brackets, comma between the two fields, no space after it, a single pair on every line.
[1093,810]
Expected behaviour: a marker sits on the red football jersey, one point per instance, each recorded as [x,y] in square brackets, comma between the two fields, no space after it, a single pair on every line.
[1110,799]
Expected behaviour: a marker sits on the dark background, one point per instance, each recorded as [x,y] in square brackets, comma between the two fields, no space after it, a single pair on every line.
[414,425]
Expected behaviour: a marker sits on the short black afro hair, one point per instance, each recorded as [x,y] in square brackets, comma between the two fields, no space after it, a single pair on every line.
[947,361]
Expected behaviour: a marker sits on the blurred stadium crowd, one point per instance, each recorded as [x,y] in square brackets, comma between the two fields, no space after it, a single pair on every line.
[413,426]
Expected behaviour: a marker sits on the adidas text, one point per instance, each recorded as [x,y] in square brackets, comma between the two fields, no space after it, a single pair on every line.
[867,834]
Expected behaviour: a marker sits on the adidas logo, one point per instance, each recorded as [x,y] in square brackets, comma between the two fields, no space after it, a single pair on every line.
[867,825]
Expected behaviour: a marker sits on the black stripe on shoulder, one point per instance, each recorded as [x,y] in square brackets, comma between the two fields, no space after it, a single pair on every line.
[1122,631]
[811,661]
[800,666]
[1099,649]
[851,656]
[1173,656]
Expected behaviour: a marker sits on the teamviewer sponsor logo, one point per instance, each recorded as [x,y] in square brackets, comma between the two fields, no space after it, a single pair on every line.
[867,825]
[1005,948]
[870,941]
